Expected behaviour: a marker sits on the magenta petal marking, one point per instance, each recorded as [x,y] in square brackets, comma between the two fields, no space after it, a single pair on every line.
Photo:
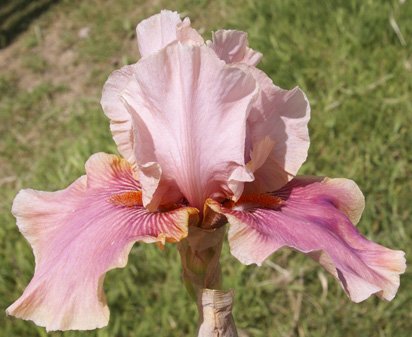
[80,233]
[315,218]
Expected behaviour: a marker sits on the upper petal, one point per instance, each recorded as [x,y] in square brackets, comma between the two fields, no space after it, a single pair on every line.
[281,116]
[232,47]
[189,111]
[153,34]
[80,233]
[314,216]
[159,30]
[113,107]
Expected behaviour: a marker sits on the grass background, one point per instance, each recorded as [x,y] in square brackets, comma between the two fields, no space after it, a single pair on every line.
[352,58]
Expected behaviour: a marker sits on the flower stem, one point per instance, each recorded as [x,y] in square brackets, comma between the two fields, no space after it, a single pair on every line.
[215,309]
[200,255]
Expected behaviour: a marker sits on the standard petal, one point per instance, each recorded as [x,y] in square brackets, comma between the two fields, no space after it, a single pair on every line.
[120,119]
[282,116]
[186,34]
[232,47]
[189,111]
[159,30]
[80,233]
[153,34]
[314,216]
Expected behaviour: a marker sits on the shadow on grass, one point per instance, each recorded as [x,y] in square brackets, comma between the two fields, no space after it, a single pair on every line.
[16,16]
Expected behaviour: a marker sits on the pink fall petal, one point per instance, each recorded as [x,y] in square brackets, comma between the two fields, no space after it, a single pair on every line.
[189,111]
[232,47]
[80,233]
[314,216]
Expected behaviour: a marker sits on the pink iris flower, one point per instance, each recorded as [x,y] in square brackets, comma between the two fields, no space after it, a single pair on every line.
[206,139]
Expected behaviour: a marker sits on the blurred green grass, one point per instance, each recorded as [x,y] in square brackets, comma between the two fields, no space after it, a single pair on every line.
[357,73]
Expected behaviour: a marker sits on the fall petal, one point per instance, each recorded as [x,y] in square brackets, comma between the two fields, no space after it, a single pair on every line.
[282,116]
[157,31]
[232,47]
[78,234]
[314,216]
[189,111]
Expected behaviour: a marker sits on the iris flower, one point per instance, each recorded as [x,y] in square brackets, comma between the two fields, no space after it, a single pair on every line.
[206,139]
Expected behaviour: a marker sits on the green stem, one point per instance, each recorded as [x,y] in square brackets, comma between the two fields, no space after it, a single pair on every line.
[200,255]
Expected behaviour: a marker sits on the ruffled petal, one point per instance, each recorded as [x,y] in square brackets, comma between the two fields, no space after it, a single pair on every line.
[115,110]
[314,216]
[157,31]
[277,128]
[232,47]
[189,111]
[186,34]
[80,233]
[153,34]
